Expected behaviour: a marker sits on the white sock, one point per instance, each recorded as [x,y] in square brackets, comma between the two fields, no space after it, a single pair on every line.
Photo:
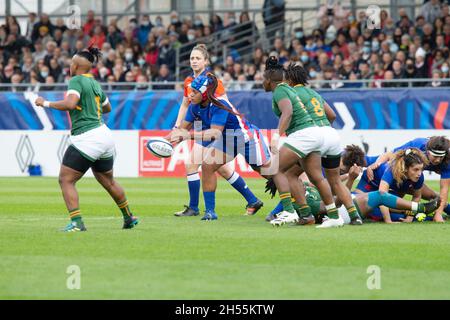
[414,206]
[193,177]
[233,178]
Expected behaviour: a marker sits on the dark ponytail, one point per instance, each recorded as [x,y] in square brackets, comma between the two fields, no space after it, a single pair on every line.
[296,74]
[274,71]
[211,89]
[92,54]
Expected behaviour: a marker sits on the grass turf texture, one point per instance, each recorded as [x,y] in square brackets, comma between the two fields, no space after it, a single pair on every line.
[235,257]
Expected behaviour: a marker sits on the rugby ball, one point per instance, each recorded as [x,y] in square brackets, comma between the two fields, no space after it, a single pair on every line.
[159,147]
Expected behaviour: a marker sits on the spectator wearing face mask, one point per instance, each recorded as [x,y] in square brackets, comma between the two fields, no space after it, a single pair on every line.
[306,61]
[159,22]
[144,29]
[43,74]
[445,70]
[175,21]
[299,34]
[129,58]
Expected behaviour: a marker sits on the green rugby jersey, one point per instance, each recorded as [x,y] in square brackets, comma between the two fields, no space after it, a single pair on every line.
[314,104]
[88,113]
[300,117]
[313,198]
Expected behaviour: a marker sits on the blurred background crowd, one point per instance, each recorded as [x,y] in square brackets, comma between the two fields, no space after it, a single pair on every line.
[342,46]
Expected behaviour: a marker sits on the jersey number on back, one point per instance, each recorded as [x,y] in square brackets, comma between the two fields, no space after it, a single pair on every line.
[318,110]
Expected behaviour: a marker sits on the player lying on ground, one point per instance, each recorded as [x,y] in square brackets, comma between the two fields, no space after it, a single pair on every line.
[436,149]
[365,203]
[91,141]
[199,61]
[223,131]
[353,159]
[402,174]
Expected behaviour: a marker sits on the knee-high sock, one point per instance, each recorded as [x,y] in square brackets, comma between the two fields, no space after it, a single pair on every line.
[194,190]
[377,198]
[277,209]
[210,201]
[239,184]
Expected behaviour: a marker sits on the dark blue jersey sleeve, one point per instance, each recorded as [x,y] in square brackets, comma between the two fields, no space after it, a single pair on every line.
[371,159]
[419,143]
[189,115]
[219,116]
[388,177]
[445,172]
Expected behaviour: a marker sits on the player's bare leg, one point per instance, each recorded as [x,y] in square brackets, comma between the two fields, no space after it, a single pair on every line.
[115,190]
[67,179]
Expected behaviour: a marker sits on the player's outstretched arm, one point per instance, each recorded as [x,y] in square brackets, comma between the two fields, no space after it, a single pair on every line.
[381,159]
[208,135]
[182,112]
[69,103]
[180,133]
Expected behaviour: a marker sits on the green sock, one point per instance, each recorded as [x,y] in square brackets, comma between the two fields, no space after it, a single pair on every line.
[352,212]
[303,211]
[286,202]
[75,215]
[420,208]
[332,211]
[125,209]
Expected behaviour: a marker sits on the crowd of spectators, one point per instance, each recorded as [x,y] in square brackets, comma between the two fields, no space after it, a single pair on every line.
[342,47]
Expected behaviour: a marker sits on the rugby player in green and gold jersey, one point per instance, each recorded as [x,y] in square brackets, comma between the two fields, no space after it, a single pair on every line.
[322,115]
[303,145]
[91,142]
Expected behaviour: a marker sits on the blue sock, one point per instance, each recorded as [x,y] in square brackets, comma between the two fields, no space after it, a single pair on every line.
[194,190]
[277,209]
[210,201]
[377,198]
[447,209]
[239,184]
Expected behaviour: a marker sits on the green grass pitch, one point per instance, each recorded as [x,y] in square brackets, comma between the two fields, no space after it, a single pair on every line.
[235,257]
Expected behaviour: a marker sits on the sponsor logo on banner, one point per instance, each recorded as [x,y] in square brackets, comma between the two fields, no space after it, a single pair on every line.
[63,145]
[24,152]
[150,165]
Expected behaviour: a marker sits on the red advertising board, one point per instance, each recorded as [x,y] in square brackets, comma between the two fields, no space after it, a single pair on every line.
[151,166]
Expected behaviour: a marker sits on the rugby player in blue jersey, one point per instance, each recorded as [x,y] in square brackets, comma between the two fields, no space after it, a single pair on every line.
[436,150]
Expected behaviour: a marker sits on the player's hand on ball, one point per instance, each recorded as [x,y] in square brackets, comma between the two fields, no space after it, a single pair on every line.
[176,136]
[39,102]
